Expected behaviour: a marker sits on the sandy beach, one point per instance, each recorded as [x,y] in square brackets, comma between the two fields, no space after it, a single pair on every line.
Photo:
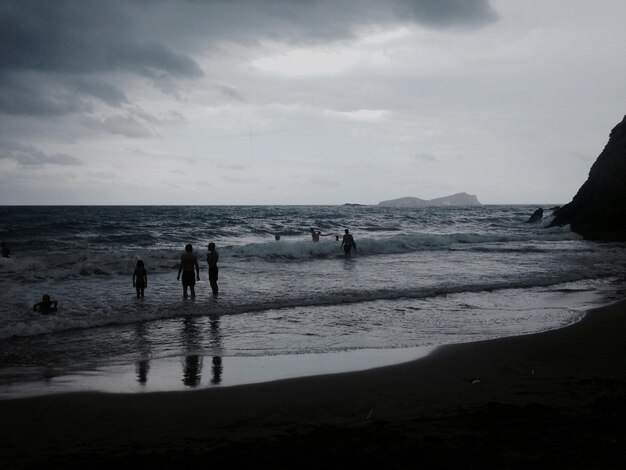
[553,399]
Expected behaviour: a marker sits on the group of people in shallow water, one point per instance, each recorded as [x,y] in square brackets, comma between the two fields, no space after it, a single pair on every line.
[189,265]
[190,270]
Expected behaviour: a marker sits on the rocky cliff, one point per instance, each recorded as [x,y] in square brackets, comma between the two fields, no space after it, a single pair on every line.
[458,199]
[598,211]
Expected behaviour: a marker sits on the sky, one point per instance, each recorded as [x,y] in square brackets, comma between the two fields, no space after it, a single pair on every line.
[305,101]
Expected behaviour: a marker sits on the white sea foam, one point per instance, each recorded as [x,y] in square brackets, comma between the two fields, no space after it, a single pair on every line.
[83,263]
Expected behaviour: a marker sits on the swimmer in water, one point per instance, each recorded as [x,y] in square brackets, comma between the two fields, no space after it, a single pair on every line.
[46,305]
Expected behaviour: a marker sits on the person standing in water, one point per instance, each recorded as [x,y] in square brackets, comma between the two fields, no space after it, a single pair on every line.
[347,243]
[6,250]
[140,278]
[315,235]
[212,258]
[189,262]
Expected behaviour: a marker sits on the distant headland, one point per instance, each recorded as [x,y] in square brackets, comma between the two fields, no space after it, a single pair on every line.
[458,199]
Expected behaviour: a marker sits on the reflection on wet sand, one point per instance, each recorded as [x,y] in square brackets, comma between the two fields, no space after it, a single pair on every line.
[192,370]
[216,346]
[192,344]
[217,370]
[142,366]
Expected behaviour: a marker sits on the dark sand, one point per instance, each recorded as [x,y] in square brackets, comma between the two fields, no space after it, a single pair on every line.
[555,399]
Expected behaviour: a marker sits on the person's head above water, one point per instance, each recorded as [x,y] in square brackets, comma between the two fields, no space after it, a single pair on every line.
[211,246]
[45,298]
[188,248]
[139,263]
[347,231]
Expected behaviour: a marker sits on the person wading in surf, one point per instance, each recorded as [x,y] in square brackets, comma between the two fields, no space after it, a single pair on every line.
[347,244]
[189,262]
[212,258]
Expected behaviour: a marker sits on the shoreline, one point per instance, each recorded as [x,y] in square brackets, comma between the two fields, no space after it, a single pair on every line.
[197,371]
[205,369]
[556,396]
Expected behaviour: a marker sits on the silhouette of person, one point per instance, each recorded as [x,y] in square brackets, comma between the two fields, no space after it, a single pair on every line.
[140,278]
[315,235]
[212,258]
[6,250]
[347,243]
[189,262]
[46,305]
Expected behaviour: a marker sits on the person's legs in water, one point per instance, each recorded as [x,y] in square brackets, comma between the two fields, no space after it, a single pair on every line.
[213,276]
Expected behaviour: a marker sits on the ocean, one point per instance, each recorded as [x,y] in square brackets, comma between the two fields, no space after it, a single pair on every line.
[419,278]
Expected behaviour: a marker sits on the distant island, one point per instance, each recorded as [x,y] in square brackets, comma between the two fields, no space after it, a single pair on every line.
[458,199]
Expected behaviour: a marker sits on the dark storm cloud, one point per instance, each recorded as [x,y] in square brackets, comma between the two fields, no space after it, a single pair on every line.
[27,155]
[449,13]
[81,36]
[125,125]
[33,94]
[230,92]
[55,56]
[52,54]
[200,24]
[28,95]
[88,36]
[103,91]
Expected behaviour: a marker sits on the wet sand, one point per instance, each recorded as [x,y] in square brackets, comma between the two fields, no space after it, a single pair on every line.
[555,399]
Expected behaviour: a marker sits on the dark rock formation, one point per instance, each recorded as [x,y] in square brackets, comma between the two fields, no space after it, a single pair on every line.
[536,217]
[458,199]
[598,211]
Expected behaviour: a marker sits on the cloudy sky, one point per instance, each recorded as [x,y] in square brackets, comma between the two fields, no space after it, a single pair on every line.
[305,101]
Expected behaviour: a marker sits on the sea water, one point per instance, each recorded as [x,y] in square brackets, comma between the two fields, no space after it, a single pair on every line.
[419,278]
